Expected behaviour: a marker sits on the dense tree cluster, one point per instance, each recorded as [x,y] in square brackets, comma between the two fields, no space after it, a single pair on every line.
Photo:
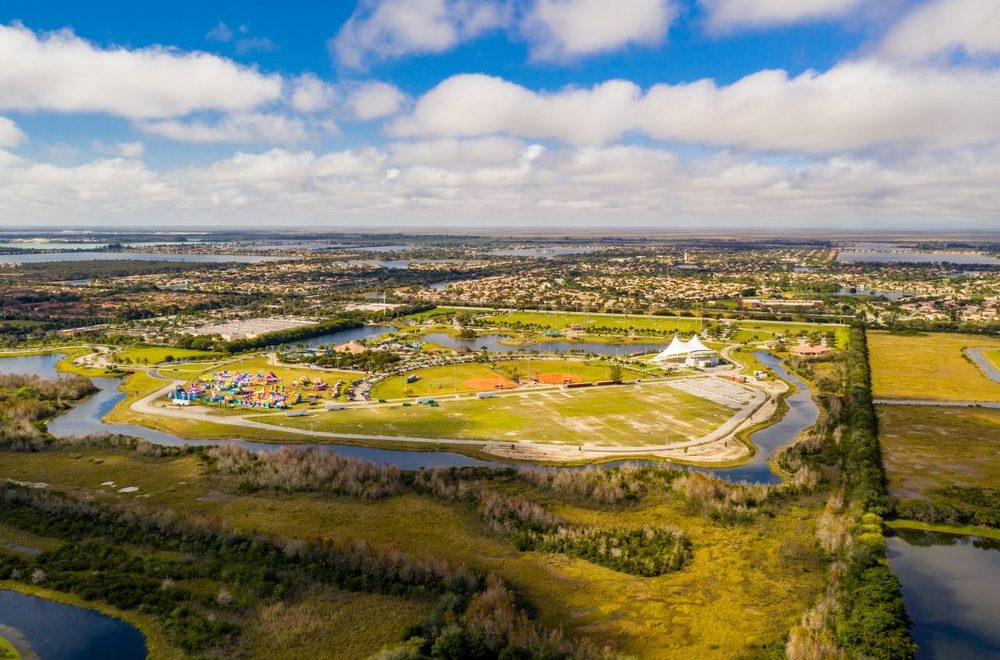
[861,613]
[25,401]
[376,361]
[305,469]
[723,502]
[646,551]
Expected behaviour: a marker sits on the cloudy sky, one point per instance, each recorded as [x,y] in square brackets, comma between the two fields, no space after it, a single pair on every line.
[505,113]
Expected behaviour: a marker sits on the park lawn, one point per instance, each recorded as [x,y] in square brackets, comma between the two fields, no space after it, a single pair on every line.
[929,366]
[925,448]
[653,413]
[592,322]
[457,378]
[760,576]
[142,354]
[746,331]
[187,370]
[434,381]
[757,331]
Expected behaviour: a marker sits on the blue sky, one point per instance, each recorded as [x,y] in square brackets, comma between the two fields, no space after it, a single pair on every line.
[522,112]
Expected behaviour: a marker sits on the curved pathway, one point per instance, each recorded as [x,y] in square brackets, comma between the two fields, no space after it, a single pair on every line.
[751,414]
[984,363]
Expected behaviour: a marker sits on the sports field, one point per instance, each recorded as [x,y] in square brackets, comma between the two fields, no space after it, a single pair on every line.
[745,331]
[929,366]
[478,377]
[140,354]
[626,415]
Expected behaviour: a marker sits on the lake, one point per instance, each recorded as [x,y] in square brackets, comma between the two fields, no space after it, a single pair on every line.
[45,257]
[543,253]
[903,257]
[55,631]
[950,590]
[344,336]
[66,245]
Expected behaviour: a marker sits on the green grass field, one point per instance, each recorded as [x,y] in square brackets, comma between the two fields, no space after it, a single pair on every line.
[746,331]
[619,416]
[925,448]
[139,354]
[455,379]
[745,587]
[929,366]
[993,355]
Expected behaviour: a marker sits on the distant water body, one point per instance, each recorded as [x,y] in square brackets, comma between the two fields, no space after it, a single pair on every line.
[905,257]
[46,257]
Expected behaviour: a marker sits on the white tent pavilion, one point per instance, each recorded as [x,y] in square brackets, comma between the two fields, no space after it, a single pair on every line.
[691,352]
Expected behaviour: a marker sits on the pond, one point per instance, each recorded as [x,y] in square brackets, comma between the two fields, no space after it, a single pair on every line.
[493,343]
[950,590]
[86,418]
[55,631]
[344,336]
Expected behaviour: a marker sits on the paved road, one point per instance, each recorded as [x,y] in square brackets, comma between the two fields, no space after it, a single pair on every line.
[931,402]
[977,356]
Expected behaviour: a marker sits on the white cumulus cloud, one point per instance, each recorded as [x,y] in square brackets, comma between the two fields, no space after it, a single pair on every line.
[310,94]
[475,104]
[237,128]
[385,29]
[854,105]
[374,99]
[941,26]
[563,29]
[10,134]
[61,72]
[725,15]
